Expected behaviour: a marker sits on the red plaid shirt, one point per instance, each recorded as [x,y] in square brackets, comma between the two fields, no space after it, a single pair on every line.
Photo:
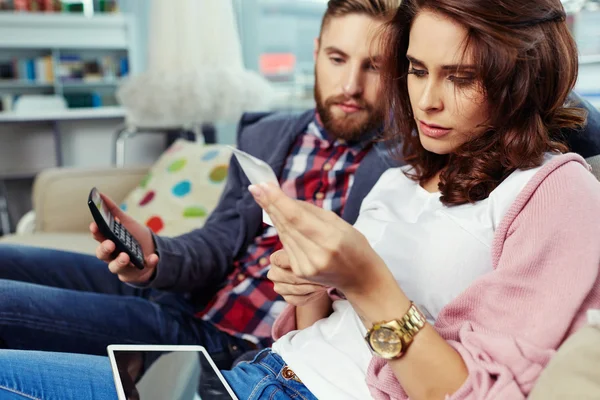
[317,170]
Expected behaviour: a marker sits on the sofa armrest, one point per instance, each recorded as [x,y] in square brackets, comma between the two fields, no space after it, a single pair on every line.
[60,194]
[573,372]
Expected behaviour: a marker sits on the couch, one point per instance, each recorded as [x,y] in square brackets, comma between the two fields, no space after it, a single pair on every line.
[60,216]
[173,196]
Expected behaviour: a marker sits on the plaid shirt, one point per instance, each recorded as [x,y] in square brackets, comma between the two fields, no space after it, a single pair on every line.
[317,170]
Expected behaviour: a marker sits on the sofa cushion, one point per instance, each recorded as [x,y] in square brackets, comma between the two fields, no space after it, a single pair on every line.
[573,372]
[181,189]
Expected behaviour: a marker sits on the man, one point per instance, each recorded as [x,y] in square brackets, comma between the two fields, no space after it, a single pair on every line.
[209,286]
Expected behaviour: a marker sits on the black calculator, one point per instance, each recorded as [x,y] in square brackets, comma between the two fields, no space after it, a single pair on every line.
[114,231]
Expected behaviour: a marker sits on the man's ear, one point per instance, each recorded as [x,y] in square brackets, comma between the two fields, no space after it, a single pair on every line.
[316,50]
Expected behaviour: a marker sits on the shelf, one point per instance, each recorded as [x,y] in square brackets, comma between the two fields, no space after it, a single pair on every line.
[66,31]
[74,84]
[22,84]
[65,115]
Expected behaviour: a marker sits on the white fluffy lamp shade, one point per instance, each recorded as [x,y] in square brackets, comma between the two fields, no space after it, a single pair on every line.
[195,70]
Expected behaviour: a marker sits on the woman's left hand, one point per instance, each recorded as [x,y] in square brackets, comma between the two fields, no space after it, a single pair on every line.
[294,289]
[321,247]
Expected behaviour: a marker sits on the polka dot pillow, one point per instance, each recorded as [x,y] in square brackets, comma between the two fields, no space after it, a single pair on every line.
[181,189]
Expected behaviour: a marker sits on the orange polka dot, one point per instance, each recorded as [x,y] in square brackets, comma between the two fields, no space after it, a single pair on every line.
[155,223]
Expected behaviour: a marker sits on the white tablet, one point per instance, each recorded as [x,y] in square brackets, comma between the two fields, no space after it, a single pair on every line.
[156,372]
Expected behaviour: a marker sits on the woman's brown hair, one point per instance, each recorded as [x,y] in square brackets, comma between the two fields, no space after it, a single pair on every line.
[527,65]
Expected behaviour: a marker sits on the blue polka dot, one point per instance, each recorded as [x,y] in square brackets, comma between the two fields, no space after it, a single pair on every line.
[123,206]
[211,155]
[182,189]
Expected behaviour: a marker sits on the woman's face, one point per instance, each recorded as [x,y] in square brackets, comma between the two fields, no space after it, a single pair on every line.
[447,100]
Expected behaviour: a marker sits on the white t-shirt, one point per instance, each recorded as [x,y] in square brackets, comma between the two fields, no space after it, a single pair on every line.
[434,252]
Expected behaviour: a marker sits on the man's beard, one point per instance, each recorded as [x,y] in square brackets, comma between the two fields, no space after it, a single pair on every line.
[349,127]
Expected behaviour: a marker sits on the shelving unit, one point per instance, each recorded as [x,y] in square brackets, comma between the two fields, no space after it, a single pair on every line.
[65,115]
[66,31]
[45,42]
[59,35]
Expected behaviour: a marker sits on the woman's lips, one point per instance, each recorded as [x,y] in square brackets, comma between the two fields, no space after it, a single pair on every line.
[433,131]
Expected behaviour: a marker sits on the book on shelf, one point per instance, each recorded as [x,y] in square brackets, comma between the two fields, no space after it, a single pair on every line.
[73,100]
[72,67]
[6,102]
[38,70]
[100,6]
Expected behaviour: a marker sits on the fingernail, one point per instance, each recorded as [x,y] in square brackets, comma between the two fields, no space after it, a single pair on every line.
[255,190]
[265,187]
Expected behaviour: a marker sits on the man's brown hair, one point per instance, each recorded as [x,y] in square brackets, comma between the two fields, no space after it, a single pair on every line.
[378,9]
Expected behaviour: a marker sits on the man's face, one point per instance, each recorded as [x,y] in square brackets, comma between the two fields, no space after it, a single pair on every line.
[347,76]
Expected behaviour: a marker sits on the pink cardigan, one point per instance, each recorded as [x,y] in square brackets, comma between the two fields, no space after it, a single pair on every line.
[509,323]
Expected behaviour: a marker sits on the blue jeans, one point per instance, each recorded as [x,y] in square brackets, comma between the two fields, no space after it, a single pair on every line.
[262,379]
[54,376]
[67,302]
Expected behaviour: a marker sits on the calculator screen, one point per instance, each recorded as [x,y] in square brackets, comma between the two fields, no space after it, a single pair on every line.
[101,207]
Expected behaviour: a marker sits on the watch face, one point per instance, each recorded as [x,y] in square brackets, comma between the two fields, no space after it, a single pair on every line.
[385,342]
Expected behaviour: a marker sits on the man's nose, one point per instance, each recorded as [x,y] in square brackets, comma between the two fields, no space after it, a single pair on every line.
[353,82]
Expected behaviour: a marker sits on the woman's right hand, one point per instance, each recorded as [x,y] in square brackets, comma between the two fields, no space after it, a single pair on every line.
[295,290]
[121,265]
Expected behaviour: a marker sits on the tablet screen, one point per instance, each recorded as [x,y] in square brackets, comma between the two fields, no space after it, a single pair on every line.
[177,375]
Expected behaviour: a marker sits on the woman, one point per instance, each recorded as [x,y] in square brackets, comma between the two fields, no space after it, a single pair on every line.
[468,268]
[480,230]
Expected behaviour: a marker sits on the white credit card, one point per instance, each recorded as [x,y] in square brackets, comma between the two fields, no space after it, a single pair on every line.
[257,172]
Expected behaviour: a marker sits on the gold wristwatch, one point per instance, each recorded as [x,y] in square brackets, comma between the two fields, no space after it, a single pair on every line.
[391,339]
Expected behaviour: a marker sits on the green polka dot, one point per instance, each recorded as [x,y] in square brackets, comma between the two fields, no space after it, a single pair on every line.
[194,212]
[145,181]
[218,174]
[177,165]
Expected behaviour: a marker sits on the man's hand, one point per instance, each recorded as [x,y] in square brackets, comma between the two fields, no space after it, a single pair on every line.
[121,265]
[295,290]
